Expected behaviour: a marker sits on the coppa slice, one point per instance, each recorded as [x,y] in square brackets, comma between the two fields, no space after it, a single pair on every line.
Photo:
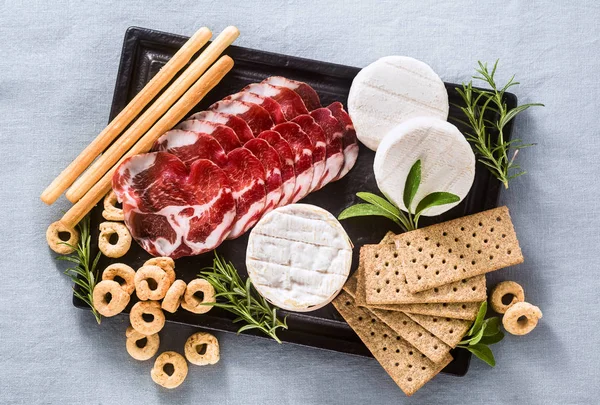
[306,93]
[349,141]
[271,161]
[272,106]
[298,257]
[290,102]
[334,156]
[257,118]
[190,146]
[288,175]
[172,210]
[224,135]
[447,161]
[239,126]
[317,137]
[247,177]
[303,151]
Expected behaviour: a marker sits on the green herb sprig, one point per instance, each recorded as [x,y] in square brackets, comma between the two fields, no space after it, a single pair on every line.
[483,333]
[242,299]
[492,152]
[380,206]
[84,273]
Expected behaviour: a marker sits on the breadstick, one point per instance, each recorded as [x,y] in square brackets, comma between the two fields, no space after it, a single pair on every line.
[191,97]
[152,114]
[125,117]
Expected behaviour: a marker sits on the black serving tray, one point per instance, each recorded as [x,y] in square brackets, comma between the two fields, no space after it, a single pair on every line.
[146,51]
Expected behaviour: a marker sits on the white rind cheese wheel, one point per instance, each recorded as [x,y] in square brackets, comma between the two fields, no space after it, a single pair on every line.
[447,161]
[299,257]
[391,90]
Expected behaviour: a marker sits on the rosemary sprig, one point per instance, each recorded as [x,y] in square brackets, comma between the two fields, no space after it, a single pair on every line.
[84,272]
[493,153]
[242,299]
[483,332]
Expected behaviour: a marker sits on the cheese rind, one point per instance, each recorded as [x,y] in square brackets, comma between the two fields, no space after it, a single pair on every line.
[392,90]
[447,161]
[298,257]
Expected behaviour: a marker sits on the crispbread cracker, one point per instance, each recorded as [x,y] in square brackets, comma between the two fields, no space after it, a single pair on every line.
[385,282]
[461,248]
[358,274]
[450,331]
[408,367]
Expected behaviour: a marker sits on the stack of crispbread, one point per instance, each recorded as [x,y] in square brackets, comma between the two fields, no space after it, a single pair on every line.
[415,295]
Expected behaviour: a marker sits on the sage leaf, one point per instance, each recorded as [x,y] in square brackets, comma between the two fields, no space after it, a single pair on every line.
[379,202]
[479,319]
[491,326]
[363,210]
[473,340]
[490,340]
[483,352]
[413,180]
[435,199]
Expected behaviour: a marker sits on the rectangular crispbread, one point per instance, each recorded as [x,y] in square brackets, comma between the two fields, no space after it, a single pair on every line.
[455,250]
[450,331]
[409,368]
[385,282]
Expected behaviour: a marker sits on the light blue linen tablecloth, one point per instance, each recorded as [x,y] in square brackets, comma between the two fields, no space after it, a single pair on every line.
[58,66]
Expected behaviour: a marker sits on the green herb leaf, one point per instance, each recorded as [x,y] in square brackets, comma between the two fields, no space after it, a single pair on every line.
[413,180]
[491,326]
[435,199]
[490,340]
[379,202]
[484,353]
[363,210]
[479,319]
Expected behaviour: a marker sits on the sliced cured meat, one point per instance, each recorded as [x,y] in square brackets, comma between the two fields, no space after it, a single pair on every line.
[286,155]
[303,150]
[172,210]
[306,92]
[272,106]
[317,137]
[334,155]
[224,135]
[271,161]
[257,118]
[247,177]
[290,102]
[349,141]
[239,126]
[190,146]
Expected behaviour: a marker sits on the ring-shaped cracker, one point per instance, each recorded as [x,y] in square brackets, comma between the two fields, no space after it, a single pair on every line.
[107,229]
[201,349]
[136,317]
[180,370]
[151,274]
[141,353]
[56,243]
[165,263]
[501,290]
[174,296]
[123,271]
[118,298]
[193,304]
[111,212]
[530,313]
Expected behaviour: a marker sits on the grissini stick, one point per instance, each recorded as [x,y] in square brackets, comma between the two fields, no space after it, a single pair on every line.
[125,117]
[152,114]
[191,97]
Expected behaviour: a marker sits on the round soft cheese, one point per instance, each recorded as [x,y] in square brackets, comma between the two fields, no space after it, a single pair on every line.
[391,90]
[447,161]
[298,257]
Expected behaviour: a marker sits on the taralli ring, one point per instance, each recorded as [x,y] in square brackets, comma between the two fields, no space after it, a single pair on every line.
[151,283]
[107,229]
[195,304]
[141,347]
[123,272]
[174,296]
[503,289]
[201,349]
[57,244]
[521,318]
[109,298]
[111,212]
[180,370]
[165,263]
[136,317]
